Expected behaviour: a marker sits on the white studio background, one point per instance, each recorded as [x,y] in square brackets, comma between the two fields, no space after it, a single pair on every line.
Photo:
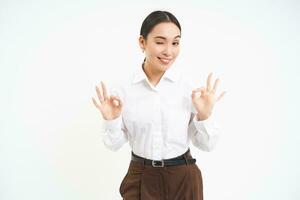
[53,53]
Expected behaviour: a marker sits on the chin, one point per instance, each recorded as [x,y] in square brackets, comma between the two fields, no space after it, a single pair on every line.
[166,67]
[163,67]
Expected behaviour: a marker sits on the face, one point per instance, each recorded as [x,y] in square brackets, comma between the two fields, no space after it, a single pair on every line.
[161,46]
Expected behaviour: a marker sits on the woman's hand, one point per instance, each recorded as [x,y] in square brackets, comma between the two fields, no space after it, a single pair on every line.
[110,106]
[205,102]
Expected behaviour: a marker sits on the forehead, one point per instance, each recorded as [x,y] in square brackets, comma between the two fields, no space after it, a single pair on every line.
[165,29]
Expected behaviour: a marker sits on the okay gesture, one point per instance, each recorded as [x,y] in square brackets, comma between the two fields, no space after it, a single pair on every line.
[205,102]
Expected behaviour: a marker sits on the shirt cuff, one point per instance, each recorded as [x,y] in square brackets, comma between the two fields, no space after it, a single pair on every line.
[206,124]
[114,124]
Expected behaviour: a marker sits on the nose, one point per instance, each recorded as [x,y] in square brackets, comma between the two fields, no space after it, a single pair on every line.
[168,50]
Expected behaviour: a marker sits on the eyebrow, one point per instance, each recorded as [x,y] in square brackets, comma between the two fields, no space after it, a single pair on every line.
[164,38]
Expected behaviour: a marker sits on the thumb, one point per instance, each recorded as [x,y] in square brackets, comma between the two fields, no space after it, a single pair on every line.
[198,91]
[201,89]
[116,100]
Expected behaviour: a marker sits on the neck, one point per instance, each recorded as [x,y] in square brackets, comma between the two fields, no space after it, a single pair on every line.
[153,75]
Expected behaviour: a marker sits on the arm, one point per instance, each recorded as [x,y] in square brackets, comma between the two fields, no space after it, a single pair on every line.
[202,129]
[110,107]
[115,134]
[203,134]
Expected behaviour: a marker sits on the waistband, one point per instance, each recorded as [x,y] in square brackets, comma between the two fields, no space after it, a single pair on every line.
[185,158]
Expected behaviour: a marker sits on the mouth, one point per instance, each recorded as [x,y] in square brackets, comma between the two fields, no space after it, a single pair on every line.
[164,60]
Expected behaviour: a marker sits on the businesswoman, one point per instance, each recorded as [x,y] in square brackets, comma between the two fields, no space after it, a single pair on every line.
[158,112]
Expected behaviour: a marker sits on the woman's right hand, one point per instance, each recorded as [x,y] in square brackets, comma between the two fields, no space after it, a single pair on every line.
[109,106]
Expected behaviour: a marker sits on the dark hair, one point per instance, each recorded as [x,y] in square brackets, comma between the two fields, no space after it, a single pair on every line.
[155,18]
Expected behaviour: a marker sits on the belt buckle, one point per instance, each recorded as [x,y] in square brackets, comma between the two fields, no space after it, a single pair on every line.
[154,163]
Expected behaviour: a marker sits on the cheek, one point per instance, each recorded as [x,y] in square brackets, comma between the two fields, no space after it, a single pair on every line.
[155,52]
[176,52]
[158,49]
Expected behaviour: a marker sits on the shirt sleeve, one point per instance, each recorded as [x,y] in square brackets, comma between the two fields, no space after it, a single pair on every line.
[203,134]
[115,134]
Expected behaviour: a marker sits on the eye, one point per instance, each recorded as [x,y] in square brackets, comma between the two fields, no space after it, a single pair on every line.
[176,43]
[159,42]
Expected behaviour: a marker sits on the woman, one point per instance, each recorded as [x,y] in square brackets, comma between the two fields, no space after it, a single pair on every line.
[158,113]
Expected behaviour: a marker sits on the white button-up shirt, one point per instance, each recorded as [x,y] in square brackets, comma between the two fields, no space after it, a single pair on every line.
[158,122]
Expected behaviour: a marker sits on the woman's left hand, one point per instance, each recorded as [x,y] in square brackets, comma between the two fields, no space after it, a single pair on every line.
[205,102]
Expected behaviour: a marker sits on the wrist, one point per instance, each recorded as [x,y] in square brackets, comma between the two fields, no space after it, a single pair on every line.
[201,117]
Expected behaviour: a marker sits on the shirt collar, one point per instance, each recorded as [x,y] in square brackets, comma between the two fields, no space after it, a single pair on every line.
[171,74]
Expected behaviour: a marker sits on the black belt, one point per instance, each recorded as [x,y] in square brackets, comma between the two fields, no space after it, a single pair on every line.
[185,158]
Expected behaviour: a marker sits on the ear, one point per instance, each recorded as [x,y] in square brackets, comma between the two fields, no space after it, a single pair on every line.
[142,42]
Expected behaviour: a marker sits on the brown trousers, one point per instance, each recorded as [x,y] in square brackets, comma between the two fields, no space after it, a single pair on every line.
[143,182]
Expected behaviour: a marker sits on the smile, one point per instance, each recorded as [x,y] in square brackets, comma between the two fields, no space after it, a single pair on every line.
[165,61]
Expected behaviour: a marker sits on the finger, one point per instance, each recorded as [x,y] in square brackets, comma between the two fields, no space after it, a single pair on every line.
[105,95]
[96,104]
[116,100]
[198,92]
[217,82]
[198,89]
[120,103]
[99,94]
[208,82]
[115,97]
[194,95]
[223,93]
